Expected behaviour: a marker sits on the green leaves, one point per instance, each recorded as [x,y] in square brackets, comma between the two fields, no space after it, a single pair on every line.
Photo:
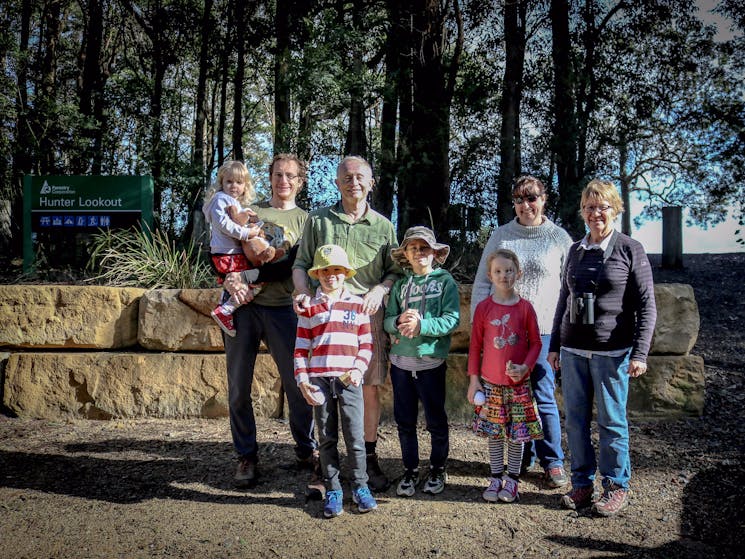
[141,258]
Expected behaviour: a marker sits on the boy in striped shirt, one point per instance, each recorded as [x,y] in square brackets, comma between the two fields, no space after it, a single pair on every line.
[332,350]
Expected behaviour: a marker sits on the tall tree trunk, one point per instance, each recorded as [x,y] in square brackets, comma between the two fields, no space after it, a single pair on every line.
[433,82]
[156,141]
[195,228]
[23,147]
[223,113]
[564,140]
[282,123]
[90,84]
[46,100]
[240,72]
[197,160]
[509,139]
[623,160]
[382,195]
[356,142]
[404,158]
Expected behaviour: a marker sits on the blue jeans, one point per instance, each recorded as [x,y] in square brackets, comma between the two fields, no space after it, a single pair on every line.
[429,387]
[277,327]
[607,378]
[542,379]
[348,401]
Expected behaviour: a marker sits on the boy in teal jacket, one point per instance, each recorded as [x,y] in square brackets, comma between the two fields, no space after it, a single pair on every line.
[422,313]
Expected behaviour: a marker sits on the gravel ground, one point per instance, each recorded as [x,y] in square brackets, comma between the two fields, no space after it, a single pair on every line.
[162,488]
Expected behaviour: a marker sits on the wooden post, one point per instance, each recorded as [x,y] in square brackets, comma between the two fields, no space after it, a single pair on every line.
[672,237]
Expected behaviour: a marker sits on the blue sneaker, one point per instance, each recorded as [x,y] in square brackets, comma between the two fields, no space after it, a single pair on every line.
[332,506]
[364,499]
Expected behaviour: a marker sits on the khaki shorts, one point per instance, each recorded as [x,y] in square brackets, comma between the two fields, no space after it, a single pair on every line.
[378,369]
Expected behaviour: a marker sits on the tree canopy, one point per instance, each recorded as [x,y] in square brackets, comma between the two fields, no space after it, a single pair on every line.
[449,100]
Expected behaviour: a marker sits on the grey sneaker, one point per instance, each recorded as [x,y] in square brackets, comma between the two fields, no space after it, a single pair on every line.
[246,474]
[556,477]
[436,481]
[407,485]
[491,493]
[613,500]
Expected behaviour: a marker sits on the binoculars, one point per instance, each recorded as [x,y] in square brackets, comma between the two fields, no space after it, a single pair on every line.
[582,308]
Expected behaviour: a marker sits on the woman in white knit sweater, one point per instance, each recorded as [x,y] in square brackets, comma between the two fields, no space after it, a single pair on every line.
[541,247]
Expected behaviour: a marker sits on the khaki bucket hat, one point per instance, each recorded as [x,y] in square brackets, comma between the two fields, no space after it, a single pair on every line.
[330,255]
[423,234]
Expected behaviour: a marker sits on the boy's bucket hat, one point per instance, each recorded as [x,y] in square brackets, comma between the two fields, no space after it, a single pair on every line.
[423,234]
[330,255]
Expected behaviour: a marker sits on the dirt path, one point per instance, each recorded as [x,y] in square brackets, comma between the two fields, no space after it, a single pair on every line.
[155,488]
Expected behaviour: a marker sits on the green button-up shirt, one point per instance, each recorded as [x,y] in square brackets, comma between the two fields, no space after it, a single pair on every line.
[367,242]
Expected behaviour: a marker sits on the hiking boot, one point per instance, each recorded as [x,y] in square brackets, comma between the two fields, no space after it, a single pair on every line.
[224,321]
[578,497]
[491,493]
[613,500]
[556,477]
[246,474]
[308,463]
[364,499]
[333,505]
[376,479]
[315,489]
[436,481]
[407,485]
[509,493]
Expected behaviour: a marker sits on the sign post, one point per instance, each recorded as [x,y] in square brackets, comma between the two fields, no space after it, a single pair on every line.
[63,212]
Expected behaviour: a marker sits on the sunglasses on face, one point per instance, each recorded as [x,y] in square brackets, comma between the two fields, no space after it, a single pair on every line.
[530,198]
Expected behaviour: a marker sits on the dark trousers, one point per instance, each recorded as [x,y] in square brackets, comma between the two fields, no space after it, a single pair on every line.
[277,327]
[409,388]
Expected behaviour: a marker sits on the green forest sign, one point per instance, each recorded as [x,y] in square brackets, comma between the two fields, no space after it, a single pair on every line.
[62,212]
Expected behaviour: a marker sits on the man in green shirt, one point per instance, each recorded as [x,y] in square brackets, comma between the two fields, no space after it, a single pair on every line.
[367,237]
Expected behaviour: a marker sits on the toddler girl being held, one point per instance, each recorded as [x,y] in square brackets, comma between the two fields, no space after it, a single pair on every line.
[232,192]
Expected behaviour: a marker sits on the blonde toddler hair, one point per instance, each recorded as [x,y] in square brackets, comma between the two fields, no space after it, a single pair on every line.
[238,170]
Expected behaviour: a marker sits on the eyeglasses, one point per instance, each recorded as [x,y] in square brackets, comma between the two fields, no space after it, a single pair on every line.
[589,210]
[530,198]
[288,176]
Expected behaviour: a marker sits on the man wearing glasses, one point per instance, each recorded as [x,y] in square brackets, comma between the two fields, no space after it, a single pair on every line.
[367,237]
[269,318]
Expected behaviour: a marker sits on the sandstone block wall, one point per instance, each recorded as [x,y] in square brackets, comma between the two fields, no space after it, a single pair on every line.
[159,354]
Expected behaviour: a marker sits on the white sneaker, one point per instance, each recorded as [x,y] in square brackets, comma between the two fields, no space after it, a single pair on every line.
[407,485]
[435,482]
[491,493]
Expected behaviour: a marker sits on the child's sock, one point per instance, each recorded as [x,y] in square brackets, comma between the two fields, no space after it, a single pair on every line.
[496,457]
[370,447]
[514,458]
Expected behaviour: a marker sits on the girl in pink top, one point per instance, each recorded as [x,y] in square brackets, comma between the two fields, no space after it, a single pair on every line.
[505,344]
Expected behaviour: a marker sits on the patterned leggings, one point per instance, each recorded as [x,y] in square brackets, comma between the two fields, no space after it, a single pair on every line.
[496,457]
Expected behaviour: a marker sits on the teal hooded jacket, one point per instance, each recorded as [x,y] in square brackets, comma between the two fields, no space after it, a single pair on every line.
[435,296]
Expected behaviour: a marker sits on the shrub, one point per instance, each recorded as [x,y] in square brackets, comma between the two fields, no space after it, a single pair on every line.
[141,258]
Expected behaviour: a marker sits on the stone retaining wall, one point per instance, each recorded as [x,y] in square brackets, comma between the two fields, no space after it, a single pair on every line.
[158,354]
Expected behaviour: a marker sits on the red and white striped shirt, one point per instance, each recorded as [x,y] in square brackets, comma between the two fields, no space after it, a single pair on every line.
[333,336]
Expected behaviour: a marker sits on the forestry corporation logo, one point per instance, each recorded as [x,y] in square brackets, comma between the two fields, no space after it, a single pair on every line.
[47,188]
